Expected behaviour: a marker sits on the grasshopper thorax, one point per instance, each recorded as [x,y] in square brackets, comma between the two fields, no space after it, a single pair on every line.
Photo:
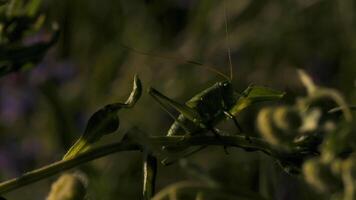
[228,94]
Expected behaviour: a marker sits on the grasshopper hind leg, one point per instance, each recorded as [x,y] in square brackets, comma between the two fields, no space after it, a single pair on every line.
[186,153]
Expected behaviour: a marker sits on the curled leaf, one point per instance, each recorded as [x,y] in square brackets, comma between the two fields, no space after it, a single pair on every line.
[287,118]
[320,175]
[136,92]
[307,81]
[103,122]
[272,126]
[348,167]
[315,93]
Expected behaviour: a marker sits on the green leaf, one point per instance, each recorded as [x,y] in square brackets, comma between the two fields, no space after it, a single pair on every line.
[14,58]
[103,122]
[255,94]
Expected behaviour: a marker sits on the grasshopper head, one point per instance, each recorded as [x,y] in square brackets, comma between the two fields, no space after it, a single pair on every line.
[228,93]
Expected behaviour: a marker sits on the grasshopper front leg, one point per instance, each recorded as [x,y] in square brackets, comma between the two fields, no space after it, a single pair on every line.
[230,116]
[238,126]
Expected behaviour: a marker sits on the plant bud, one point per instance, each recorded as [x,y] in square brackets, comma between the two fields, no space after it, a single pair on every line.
[349,178]
[67,187]
[311,120]
[269,130]
[287,118]
[320,176]
[103,122]
[264,122]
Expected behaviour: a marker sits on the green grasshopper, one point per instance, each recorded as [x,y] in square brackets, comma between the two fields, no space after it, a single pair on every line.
[205,110]
[201,113]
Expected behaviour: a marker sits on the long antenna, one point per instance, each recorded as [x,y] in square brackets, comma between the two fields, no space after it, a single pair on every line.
[227,38]
[177,60]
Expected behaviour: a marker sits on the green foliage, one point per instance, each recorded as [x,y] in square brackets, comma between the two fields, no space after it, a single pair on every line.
[307,129]
[103,122]
[255,94]
[18,20]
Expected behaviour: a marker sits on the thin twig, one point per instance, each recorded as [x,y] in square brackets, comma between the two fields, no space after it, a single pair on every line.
[254,144]
[60,166]
[149,175]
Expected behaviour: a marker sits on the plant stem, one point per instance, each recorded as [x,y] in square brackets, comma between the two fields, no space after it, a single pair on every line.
[62,165]
[254,144]
[149,175]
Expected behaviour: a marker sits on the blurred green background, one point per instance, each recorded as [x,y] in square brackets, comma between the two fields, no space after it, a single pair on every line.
[44,110]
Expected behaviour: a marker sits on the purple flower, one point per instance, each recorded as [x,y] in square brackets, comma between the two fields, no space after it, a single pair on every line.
[15,102]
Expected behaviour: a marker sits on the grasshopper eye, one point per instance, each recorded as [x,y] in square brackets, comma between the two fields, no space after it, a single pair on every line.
[223,84]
